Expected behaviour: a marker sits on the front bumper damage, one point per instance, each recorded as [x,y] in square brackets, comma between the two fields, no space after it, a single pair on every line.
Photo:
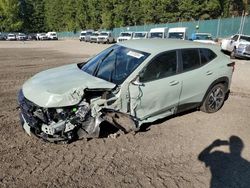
[68,124]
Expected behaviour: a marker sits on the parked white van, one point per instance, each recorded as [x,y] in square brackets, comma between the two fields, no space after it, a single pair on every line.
[158,32]
[106,37]
[125,36]
[140,35]
[85,35]
[178,33]
[52,36]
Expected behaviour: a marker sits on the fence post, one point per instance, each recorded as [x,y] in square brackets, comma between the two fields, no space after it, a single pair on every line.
[218,28]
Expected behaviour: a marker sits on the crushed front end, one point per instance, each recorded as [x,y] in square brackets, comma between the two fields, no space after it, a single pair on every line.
[58,124]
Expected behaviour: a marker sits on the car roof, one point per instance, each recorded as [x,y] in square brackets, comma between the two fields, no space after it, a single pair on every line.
[155,46]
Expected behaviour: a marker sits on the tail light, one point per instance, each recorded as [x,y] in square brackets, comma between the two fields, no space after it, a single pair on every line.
[231,65]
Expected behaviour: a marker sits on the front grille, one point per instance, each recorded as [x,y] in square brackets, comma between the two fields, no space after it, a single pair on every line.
[248,48]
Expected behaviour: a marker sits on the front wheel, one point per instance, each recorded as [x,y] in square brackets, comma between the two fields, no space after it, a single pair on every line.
[214,99]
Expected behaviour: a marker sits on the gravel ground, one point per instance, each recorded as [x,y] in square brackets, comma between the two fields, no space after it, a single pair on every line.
[166,153]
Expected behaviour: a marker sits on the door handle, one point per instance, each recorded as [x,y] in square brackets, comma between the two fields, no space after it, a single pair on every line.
[173,83]
[209,72]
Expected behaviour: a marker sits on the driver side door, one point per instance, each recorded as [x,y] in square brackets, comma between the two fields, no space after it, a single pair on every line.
[159,90]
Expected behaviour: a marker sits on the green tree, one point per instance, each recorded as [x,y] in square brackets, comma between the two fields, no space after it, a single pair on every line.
[69,17]
[10,15]
[107,15]
[94,12]
[54,15]
[82,15]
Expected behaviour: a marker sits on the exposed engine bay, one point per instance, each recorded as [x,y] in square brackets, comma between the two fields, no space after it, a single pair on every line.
[74,122]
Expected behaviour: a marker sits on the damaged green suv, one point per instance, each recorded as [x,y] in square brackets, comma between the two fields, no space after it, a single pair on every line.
[128,84]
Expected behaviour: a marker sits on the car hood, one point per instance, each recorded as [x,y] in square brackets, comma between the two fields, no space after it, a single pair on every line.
[62,86]
[244,42]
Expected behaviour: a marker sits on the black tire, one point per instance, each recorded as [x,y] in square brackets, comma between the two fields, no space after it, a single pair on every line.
[214,99]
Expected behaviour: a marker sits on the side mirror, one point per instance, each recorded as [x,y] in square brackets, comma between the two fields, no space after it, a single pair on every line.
[136,81]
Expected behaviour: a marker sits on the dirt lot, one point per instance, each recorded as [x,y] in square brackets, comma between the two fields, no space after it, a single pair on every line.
[164,154]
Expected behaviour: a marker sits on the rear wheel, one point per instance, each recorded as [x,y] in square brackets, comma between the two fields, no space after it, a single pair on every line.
[214,99]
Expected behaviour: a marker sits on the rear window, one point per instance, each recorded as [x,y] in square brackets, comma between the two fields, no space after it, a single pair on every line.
[206,55]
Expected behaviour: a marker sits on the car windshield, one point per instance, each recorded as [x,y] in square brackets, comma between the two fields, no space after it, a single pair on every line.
[104,34]
[89,33]
[176,35]
[95,34]
[203,37]
[139,35]
[126,34]
[83,34]
[115,64]
[245,38]
[11,35]
[53,34]
[156,35]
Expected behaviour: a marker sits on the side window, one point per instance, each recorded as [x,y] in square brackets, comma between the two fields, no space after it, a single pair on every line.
[162,66]
[190,59]
[207,55]
[235,38]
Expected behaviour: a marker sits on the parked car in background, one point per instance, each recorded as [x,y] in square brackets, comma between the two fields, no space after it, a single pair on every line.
[178,33]
[11,36]
[203,38]
[127,35]
[158,33]
[32,36]
[2,36]
[123,86]
[82,36]
[140,35]
[85,35]
[41,36]
[106,37]
[88,35]
[232,44]
[94,37]
[243,51]
[21,36]
[52,36]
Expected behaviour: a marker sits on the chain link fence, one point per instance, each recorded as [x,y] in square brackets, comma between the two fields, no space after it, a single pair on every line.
[219,28]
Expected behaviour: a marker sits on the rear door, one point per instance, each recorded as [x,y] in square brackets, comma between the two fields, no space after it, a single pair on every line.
[198,72]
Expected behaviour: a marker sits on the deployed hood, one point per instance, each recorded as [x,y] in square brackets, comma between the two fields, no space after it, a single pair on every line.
[62,86]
